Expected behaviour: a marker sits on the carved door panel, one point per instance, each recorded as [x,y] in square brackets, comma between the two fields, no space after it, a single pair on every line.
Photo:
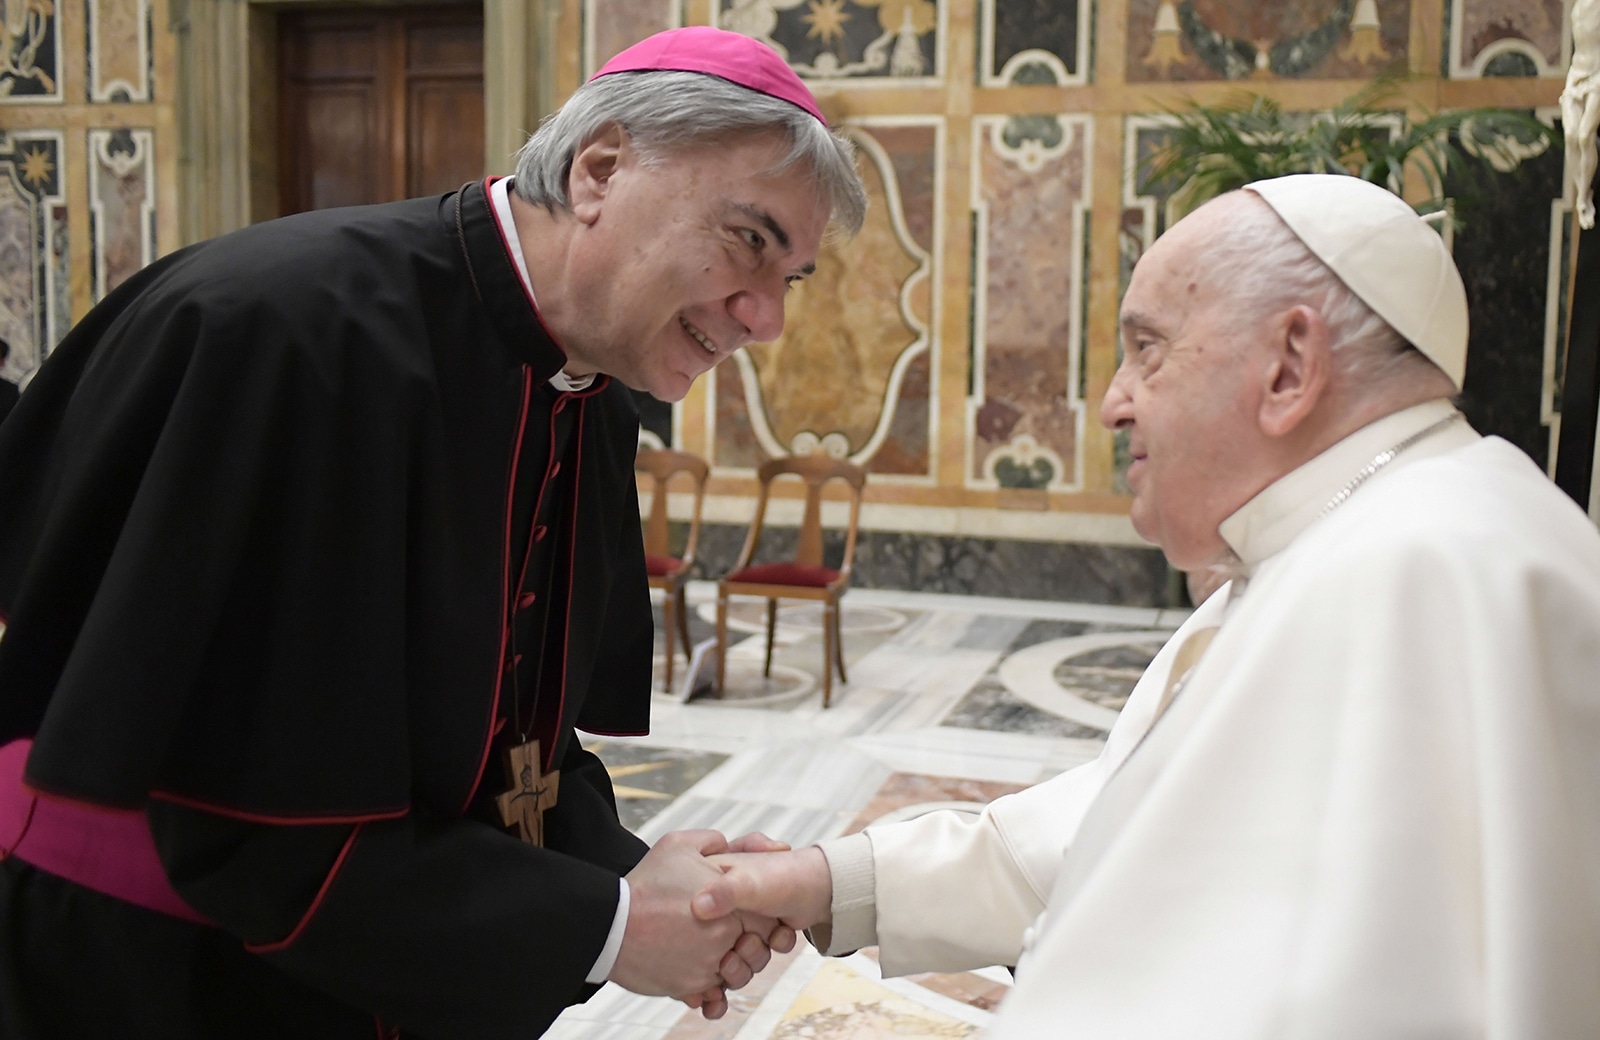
[378,104]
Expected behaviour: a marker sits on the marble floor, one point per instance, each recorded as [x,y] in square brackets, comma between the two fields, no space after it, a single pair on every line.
[951,701]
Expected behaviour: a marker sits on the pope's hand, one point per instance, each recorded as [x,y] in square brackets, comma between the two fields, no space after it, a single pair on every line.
[761,935]
[793,887]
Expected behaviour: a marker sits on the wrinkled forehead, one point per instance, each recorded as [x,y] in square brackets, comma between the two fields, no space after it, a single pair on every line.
[1184,265]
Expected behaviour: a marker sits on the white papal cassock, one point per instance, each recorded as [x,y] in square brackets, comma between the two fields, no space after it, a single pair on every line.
[1372,811]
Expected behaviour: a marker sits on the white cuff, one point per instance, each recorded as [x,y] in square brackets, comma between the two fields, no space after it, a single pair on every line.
[854,908]
[608,953]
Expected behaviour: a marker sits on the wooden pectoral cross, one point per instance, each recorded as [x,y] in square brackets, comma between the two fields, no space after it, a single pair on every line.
[531,793]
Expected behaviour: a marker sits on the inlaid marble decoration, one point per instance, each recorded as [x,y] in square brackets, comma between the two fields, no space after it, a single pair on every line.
[888,40]
[1027,42]
[34,288]
[1508,38]
[1184,40]
[1030,191]
[118,42]
[842,1004]
[851,374]
[611,26]
[122,205]
[30,51]
[646,779]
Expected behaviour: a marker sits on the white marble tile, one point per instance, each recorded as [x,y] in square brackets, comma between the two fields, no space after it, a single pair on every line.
[816,774]
[1015,758]
[795,825]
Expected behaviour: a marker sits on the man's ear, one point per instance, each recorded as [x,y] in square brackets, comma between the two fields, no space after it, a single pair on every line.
[1299,372]
[593,167]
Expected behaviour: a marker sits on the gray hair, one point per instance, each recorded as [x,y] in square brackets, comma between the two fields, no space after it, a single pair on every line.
[1267,268]
[663,112]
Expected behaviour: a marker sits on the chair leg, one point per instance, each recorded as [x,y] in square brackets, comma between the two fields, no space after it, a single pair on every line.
[683,621]
[838,644]
[722,641]
[667,606]
[772,629]
[827,658]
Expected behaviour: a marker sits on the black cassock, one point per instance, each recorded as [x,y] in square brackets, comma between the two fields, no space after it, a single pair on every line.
[295,538]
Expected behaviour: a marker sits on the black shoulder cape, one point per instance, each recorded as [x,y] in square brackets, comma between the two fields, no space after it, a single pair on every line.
[254,524]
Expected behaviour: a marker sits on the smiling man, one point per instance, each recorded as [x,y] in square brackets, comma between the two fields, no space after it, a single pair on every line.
[1357,793]
[318,541]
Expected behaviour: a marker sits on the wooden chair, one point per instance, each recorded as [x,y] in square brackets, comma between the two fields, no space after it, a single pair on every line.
[804,577]
[667,572]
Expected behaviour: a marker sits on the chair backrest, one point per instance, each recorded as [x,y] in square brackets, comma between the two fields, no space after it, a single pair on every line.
[662,465]
[816,471]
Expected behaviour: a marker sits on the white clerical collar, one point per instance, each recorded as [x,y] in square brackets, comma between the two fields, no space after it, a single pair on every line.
[500,200]
[1265,525]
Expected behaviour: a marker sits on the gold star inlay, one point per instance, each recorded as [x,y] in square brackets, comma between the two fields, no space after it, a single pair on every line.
[826,19]
[624,791]
[36,167]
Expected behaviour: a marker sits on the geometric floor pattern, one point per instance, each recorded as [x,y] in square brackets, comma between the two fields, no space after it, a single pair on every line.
[951,702]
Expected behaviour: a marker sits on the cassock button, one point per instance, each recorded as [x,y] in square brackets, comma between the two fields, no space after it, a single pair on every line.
[525,600]
[1028,935]
[513,661]
[553,471]
[561,404]
[539,533]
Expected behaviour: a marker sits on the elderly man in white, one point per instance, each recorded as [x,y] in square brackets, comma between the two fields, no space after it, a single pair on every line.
[1358,793]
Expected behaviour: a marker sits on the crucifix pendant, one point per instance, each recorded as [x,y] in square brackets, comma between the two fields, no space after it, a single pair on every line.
[531,792]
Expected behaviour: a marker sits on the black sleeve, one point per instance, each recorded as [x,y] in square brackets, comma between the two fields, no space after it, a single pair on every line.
[450,929]
[585,815]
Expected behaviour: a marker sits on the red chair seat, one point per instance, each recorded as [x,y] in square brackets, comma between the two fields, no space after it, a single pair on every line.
[659,566]
[785,574]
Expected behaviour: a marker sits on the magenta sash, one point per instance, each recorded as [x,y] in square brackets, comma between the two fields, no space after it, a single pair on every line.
[108,850]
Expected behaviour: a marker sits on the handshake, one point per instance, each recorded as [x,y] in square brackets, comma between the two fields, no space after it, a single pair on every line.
[704,914]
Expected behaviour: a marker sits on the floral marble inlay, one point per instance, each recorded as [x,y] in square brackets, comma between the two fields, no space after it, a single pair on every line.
[118,42]
[841,1004]
[33,248]
[1508,38]
[30,51]
[839,39]
[851,375]
[1030,42]
[121,205]
[1030,187]
[1176,40]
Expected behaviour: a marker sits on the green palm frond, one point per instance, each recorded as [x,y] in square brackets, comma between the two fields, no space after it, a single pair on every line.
[1212,149]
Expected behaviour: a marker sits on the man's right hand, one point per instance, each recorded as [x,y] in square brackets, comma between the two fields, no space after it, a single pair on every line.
[667,950]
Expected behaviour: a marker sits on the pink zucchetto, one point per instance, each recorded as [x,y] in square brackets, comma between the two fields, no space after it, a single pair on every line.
[717,52]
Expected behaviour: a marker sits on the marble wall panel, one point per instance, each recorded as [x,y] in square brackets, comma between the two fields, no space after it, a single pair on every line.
[856,40]
[33,248]
[1030,191]
[1030,42]
[122,204]
[1187,40]
[968,566]
[733,443]
[611,26]
[845,376]
[118,42]
[1503,249]
[1507,38]
[30,51]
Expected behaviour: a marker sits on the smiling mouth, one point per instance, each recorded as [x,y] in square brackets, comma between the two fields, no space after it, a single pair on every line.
[700,337]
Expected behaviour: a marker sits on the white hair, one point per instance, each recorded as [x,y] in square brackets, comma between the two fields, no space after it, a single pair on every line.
[1267,268]
[664,112]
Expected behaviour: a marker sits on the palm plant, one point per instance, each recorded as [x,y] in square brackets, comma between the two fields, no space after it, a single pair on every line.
[1217,148]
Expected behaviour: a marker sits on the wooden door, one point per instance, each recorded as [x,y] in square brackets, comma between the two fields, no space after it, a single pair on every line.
[378,104]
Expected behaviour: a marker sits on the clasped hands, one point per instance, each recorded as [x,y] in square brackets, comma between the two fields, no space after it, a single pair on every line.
[705,914]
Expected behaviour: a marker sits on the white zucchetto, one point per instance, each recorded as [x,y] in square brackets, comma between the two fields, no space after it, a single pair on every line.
[1390,257]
